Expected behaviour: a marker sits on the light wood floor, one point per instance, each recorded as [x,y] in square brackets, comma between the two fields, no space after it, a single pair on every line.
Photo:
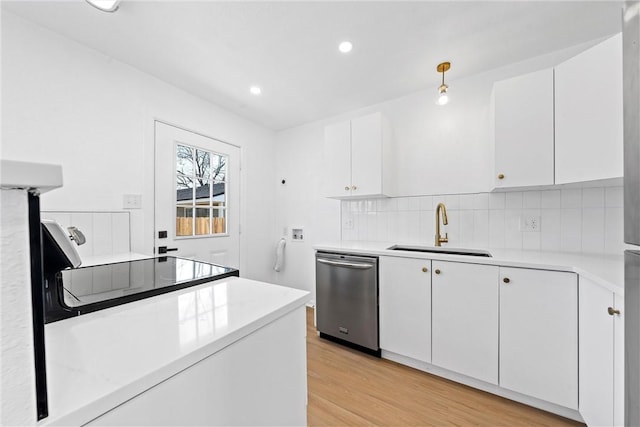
[348,388]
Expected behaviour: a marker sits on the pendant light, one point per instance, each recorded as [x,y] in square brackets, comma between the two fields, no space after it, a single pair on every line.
[105,5]
[443,96]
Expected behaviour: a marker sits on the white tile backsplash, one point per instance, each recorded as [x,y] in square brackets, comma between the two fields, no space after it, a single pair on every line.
[496,200]
[531,200]
[403,204]
[571,198]
[425,203]
[593,229]
[571,220]
[467,201]
[571,230]
[481,201]
[496,228]
[550,199]
[106,233]
[513,200]
[550,230]
[593,197]
[614,197]
[414,203]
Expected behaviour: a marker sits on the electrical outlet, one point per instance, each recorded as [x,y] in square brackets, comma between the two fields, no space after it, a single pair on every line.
[348,224]
[530,223]
[132,201]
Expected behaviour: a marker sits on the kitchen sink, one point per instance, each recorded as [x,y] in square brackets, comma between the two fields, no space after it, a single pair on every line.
[440,250]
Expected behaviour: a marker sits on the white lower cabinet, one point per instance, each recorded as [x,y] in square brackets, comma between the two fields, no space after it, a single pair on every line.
[528,331]
[539,334]
[601,355]
[465,319]
[405,307]
[260,379]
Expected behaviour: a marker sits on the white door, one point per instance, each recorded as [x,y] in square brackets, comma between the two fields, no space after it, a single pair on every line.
[197,195]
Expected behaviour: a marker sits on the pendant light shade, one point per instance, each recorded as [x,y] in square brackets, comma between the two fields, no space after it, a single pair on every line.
[443,95]
[105,5]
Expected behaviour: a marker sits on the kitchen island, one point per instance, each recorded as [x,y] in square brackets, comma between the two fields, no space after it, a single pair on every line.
[227,352]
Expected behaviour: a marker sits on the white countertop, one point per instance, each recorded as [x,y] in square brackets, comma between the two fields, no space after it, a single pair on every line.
[25,175]
[607,270]
[99,360]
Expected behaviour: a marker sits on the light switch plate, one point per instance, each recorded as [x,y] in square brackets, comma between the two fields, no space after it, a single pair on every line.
[132,201]
[530,223]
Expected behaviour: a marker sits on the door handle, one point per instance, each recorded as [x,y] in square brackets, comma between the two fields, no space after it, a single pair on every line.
[345,264]
[164,249]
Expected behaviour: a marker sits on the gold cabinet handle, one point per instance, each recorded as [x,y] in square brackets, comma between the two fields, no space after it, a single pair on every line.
[501,176]
[612,311]
[506,280]
[353,187]
[347,188]
[437,271]
[425,269]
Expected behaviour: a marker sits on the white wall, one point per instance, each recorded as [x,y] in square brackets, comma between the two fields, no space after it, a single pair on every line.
[66,104]
[438,150]
[299,161]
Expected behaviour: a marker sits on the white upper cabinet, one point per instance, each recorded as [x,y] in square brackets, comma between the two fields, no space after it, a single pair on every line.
[337,159]
[523,114]
[561,125]
[539,334]
[358,153]
[588,90]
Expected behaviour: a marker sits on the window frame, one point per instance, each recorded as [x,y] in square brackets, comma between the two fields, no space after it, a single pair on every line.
[193,205]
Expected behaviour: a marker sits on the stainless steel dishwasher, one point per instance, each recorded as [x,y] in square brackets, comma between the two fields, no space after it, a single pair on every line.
[347,299]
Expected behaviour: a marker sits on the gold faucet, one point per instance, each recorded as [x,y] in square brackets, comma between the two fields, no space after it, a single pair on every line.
[439,238]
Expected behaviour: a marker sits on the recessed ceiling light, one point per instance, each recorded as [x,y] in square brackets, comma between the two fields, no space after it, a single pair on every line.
[345,47]
[255,90]
[105,5]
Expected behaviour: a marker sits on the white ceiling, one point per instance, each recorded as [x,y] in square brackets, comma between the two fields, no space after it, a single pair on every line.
[216,50]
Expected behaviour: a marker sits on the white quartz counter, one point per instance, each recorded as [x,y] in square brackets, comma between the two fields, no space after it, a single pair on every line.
[99,360]
[607,270]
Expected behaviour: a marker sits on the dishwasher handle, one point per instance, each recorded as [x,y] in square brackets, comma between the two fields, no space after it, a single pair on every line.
[360,266]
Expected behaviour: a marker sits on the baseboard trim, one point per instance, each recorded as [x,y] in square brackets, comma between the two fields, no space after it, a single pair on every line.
[484,386]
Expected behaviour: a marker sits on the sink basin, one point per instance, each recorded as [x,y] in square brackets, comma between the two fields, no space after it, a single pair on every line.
[437,250]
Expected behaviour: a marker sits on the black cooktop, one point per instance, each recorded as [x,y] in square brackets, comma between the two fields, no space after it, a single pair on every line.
[86,289]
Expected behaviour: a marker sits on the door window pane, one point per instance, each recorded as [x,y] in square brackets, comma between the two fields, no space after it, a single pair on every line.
[203,164]
[218,194]
[184,221]
[184,190]
[218,167]
[184,160]
[201,192]
[203,221]
[219,221]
